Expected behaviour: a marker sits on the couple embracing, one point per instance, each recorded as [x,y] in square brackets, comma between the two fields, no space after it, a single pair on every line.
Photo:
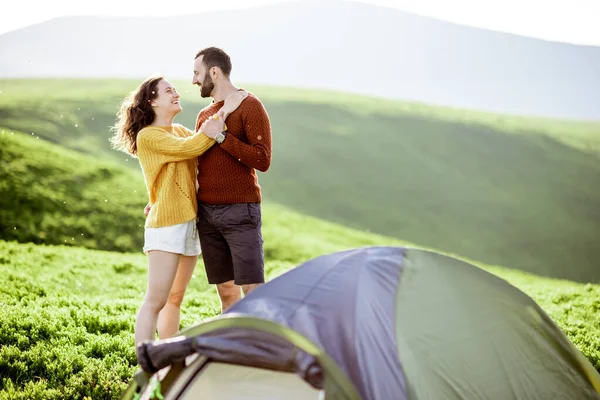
[204,195]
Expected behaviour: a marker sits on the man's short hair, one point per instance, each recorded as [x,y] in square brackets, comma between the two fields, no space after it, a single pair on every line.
[215,57]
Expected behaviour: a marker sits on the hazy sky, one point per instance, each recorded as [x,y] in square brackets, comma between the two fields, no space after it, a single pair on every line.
[572,21]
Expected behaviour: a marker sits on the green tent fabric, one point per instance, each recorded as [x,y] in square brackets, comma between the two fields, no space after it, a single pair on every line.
[463,333]
[373,323]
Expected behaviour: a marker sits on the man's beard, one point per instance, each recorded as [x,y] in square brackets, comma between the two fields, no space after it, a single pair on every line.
[207,87]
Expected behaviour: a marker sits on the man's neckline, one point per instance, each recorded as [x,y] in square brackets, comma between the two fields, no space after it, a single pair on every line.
[223,101]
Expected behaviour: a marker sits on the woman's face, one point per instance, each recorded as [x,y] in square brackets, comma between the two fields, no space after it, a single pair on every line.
[167,101]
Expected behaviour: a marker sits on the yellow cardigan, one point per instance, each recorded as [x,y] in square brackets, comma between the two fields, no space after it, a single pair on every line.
[168,158]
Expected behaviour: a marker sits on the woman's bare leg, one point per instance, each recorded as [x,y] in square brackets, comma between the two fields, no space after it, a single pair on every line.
[162,268]
[170,315]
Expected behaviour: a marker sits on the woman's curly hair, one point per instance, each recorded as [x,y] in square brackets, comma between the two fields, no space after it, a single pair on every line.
[134,114]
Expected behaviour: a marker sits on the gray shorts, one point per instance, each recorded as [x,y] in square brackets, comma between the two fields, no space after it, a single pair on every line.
[232,243]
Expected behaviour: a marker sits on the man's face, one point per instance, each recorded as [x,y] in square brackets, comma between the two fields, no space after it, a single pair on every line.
[202,78]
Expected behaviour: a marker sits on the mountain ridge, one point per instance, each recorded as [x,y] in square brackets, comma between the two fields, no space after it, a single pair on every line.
[348,46]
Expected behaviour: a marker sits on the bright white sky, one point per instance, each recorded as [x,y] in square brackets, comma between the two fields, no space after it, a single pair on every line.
[571,21]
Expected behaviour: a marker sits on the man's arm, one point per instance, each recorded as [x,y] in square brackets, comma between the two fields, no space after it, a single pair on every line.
[257,152]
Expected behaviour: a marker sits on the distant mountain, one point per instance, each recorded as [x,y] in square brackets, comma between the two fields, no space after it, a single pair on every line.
[339,45]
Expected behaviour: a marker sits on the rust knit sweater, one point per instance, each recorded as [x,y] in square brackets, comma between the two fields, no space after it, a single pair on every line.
[227,171]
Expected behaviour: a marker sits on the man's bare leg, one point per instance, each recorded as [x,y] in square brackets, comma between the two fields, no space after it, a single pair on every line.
[248,288]
[229,293]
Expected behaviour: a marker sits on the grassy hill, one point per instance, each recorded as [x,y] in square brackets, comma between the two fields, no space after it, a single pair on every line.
[517,192]
[53,195]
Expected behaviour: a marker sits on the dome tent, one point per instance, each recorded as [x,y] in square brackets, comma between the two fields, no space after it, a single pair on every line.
[374,323]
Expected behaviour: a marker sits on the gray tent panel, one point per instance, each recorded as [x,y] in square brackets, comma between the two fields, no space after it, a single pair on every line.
[345,303]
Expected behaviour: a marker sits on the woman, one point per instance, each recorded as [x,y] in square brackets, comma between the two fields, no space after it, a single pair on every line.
[167,153]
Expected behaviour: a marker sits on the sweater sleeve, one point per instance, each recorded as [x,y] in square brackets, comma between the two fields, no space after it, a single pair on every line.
[173,148]
[257,152]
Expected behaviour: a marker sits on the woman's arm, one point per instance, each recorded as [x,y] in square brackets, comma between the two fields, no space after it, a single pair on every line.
[232,102]
[172,148]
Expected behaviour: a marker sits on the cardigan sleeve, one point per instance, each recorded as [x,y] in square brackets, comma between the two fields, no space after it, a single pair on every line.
[172,148]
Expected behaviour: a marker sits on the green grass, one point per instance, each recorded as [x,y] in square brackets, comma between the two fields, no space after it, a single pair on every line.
[504,190]
[66,325]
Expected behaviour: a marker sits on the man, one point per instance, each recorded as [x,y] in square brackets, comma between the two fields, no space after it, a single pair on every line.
[229,195]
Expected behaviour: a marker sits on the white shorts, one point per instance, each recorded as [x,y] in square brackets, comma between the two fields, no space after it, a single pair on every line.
[180,239]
